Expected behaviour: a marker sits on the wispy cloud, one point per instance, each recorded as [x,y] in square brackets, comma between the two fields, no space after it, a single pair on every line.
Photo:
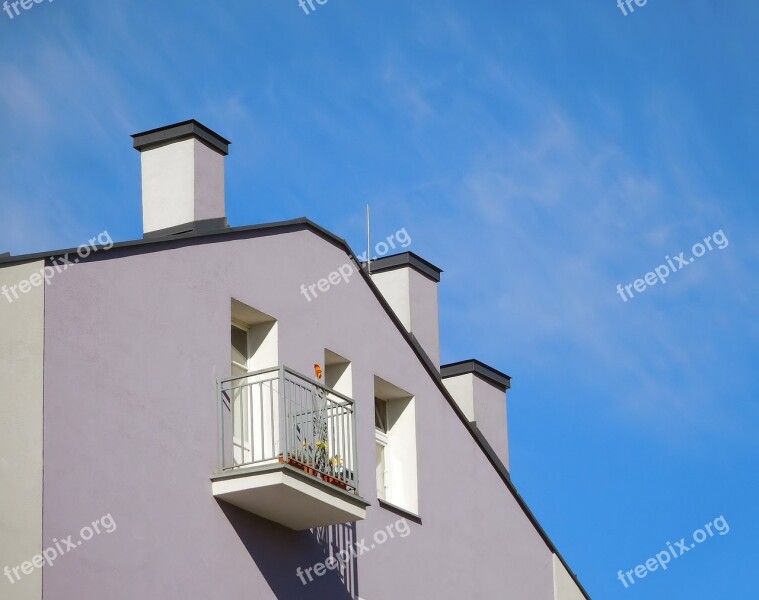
[545,225]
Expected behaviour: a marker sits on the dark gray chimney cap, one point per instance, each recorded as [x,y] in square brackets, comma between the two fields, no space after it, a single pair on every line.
[494,376]
[406,259]
[181,131]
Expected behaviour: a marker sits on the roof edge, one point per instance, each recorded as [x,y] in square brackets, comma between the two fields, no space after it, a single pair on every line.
[191,235]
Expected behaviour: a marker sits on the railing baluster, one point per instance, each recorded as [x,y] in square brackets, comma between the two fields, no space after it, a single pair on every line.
[273,423]
[243,421]
[286,417]
[346,426]
[221,423]
[348,463]
[344,450]
[260,401]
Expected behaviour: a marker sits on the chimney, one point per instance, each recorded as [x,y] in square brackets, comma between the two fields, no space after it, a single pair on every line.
[182,179]
[480,392]
[409,284]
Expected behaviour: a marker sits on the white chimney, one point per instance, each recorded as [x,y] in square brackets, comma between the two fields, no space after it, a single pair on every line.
[480,392]
[409,284]
[182,179]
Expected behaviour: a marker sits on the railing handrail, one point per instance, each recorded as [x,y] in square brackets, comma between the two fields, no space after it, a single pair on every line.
[313,382]
[250,374]
[327,389]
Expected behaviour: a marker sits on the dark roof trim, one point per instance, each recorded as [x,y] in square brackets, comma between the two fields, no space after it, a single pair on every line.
[406,259]
[191,237]
[181,131]
[489,374]
[202,226]
[501,468]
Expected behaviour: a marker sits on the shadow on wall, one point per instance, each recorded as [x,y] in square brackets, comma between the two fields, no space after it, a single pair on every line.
[336,541]
[278,553]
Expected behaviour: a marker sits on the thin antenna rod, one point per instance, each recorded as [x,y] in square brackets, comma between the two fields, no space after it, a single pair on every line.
[368,241]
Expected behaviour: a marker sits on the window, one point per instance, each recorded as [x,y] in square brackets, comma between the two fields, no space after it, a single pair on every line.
[254,415]
[380,436]
[337,373]
[254,338]
[340,416]
[395,445]
[240,393]
[239,349]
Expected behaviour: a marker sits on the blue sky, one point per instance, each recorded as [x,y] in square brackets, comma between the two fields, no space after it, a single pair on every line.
[539,152]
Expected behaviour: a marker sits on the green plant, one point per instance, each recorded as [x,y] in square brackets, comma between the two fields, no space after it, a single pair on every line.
[312,448]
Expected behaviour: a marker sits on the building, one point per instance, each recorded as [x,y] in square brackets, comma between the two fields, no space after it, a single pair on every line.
[179,420]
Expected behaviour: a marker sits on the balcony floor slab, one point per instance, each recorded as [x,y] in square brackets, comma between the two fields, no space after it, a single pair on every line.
[288,496]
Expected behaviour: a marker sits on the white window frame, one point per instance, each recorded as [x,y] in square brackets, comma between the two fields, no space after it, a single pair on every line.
[242,446]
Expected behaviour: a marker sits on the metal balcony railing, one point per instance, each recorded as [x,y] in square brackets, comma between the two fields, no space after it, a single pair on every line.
[280,415]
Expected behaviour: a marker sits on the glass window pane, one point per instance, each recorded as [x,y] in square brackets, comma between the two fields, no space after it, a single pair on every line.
[380,415]
[380,471]
[239,346]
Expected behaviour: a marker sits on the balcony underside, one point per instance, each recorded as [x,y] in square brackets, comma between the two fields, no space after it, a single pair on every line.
[288,496]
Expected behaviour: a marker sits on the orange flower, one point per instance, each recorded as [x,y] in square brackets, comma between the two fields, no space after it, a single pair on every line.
[318,371]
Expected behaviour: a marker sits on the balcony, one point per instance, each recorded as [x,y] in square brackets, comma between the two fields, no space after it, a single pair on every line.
[287,450]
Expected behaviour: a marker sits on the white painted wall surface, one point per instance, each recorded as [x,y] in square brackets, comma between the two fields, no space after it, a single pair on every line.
[413,297]
[425,324]
[491,418]
[461,388]
[181,182]
[395,288]
[21,346]
[564,587]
